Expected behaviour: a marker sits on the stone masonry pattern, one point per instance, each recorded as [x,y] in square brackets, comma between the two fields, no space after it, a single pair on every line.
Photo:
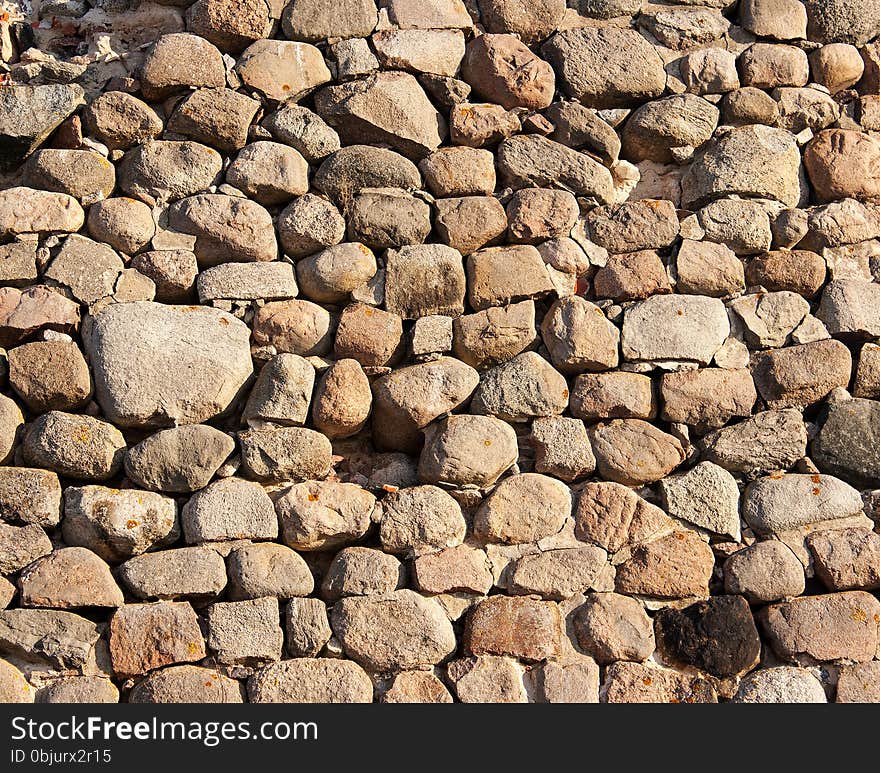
[439,351]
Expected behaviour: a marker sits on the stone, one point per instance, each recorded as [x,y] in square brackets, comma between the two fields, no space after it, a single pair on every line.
[524,508]
[458,569]
[457,451]
[229,509]
[562,448]
[282,70]
[469,223]
[282,392]
[50,376]
[606,67]
[779,19]
[612,627]
[710,71]
[409,399]
[227,228]
[305,131]
[501,69]
[691,328]
[247,281]
[783,502]
[88,270]
[798,376]
[78,447]
[557,574]
[68,578]
[48,637]
[657,128]
[782,684]
[830,627]
[133,346]
[118,524]
[742,225]
[26,210]
[805,108]
[359,571]
[704,268]
[230,26]
[195,573]
[38,308]
[164,170]
[613,516]
[706,496]
[322,515]
[186,684]
[459,171]
[18,263]
[579,337]
[173,273]
[388,108]
[837,66]
[313,21]
[799,271]
[840,163]
[330,276]
[477,125]
[14,688]
[350,170]
[517,627]
[120,120]
[79,689]
[632,276]
[178,61]
[87,176]
[857,683]
[21,545]
[867,378]
[580,128]
[178,460]
[842,21]
[125,224]
[371,336]
[416,687]
[29,114]
[494,335]
[634,452]
[269,172]
[388,217]
[754,160]
[488,679]
[393,631]
[845,446]
[424,279]
[533,22]
[11,423]
[309,224]
[846,559]
[284,453]
[767,441]
[437,52]
[770,318]
[530,160]
[420,519]
[135,627]
[343,400]
[294,326]
[614,395]
[672,567]
[30,496]
[768,65]
[717,636]
[848,307]
[266,569]
[766,571]
[523,388]
[306,627]
[311,680]
[497,276]
[536,214]
[245,632]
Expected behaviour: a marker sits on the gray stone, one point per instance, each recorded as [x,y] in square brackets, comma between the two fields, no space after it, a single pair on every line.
[247,281]
[282,392]
[420,519]
[284,453]
[783,684]
[846,444]
[521,389]
[229,509]
[467,449]
[706,496]
[324,515]
[311,680]
[267,569]
[767,441]
[194,573]
[766,571]
[245,632]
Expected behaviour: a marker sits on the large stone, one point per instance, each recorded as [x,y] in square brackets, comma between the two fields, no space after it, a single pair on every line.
[658,128]
[503,70]
[135,629]
[516,627]
[524,508]
[707,397]
[30,496]
[275,454]
[466,449]
[193,573]
[613,627]
[783,502]
[178,61]
[557,574]
[766,571]
[21,545]
[120,120]
[245,632]
[649,224]
[231,26]
[87,176]
[282,392]
[782,684]
[767,441]
[488,679]
[849,308]
[529,160]
[359,571]
[846,559]
[348,171]
[650,683]
[343,400]
[29,114]
[841,163]
[676,566]
[314,20]
[606,67]
[717,636]
[69,578]
[706,496]
[311,680]
[521,389]
[420,519]
[842,21]
[562,447]
[494,335]
[229,509]
[675,327]
[859,683]
[178,460]
[754,160]
[282,70]
[61,640]
[830,627]
[118,524]
[389,108]
[23,313]
[323,515]
[295,326]
[579,337]
[497,276]
[846,444]
[186,684]
[165,170]
[25,210]
[424,279]
[393,631]
[134,347]
[266,569]
[634,452]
